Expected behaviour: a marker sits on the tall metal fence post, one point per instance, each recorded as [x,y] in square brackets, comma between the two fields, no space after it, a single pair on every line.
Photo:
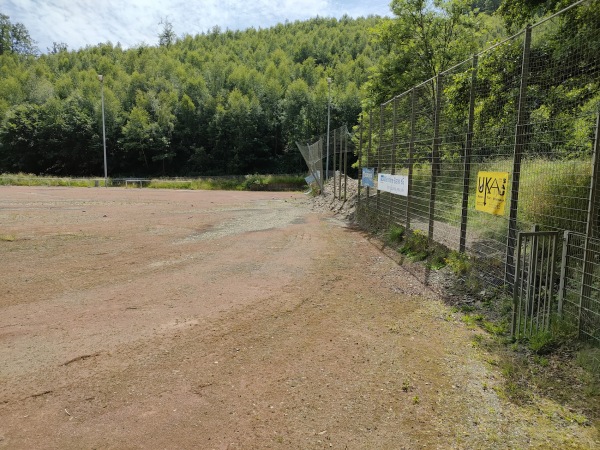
[467,160]
[592,213]
[411,153]
[520,142]
[564,264]
[369,146]
[359,155]
[435,156]
[334,162]
[379,154]
[394,134]
[346,135]
[341,139]
[591,225]
[321,171]
[514,327]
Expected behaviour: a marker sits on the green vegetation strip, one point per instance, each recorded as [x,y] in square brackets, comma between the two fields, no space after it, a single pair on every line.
[247,183]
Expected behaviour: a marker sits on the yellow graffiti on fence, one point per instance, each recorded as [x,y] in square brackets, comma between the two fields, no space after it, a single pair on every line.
[492,190]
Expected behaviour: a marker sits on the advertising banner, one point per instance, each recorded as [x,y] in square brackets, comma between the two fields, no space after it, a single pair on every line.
[395,184]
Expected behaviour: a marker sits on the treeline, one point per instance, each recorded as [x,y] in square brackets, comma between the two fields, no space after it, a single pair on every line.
[223,102]
[236,102]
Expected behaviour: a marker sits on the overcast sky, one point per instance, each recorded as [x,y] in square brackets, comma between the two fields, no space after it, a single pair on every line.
[78,23]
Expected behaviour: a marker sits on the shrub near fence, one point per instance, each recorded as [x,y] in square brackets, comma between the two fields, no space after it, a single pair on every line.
[528,108]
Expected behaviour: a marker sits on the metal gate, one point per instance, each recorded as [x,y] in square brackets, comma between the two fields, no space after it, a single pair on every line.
[535,281]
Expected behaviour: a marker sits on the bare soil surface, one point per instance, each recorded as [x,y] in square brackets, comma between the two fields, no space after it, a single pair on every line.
[137,318]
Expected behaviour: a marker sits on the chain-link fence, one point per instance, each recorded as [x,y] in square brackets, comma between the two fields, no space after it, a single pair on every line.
[313,156]
[496,145]
[334,150]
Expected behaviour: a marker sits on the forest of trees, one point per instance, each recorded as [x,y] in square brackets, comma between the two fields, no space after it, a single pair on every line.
[222,102]
[226,102]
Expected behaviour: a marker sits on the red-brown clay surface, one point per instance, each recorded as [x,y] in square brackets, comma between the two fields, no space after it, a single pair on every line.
[138,318]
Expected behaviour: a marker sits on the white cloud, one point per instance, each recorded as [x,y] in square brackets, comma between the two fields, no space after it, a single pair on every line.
[88,22]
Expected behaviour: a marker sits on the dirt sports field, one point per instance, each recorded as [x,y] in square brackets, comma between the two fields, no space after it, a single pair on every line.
[138,318]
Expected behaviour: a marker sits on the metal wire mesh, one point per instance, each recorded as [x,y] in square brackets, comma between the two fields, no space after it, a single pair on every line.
[317,154]
[313,156]
[525,110]
[579,298]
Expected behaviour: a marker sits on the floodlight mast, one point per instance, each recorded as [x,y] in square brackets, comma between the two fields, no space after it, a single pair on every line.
[101,79]
[328,120]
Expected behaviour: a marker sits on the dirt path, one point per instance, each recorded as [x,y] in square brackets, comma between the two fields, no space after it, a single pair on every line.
[133,318]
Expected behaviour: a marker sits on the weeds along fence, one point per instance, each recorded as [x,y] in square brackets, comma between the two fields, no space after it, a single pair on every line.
[327,157]
[494,146]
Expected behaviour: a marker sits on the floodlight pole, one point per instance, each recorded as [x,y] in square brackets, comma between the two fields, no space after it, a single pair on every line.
[101,79]
[328,120]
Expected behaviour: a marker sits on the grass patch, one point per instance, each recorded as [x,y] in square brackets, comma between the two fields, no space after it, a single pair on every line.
[437,257]
[204,184]
[560,333]
[395,235]
[24,179]
[416,246]
[548,368]
[241,183]
[459,263]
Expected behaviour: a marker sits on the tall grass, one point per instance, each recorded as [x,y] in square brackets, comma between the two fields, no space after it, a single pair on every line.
[555,193]
[23,179]
[241,183]
[552,193]
[205,184]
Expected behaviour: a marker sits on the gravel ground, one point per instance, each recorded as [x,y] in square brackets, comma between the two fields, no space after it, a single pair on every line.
[135,318]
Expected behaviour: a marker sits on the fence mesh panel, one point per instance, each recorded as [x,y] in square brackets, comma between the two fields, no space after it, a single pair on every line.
[580,293]
[523,115]
[313,156]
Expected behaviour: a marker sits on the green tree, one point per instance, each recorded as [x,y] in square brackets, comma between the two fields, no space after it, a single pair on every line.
[14,38]
[166,38]
[517,13]
[423,40]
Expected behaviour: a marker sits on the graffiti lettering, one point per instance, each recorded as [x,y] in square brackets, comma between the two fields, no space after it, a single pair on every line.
[491,192]
[488,184]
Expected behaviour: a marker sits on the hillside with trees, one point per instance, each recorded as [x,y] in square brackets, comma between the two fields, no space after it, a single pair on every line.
[235,102]
[222,102]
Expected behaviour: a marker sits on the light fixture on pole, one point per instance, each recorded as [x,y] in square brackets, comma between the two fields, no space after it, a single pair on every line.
[101,79]
[328,120]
